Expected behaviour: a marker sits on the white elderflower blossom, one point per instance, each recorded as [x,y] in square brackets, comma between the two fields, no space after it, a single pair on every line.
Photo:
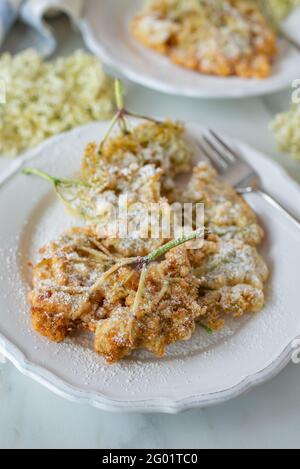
[46,98]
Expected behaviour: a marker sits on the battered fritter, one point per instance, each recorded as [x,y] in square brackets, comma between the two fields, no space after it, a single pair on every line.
[216,37]
[85,280]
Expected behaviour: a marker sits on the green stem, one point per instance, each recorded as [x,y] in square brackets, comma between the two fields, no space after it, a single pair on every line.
[139,294]
[124,126]
[53,180]
[206,328]
[119,95]
[121,115]
[139,116]
[109,130]
[41,174]
[153,256]
[142,263]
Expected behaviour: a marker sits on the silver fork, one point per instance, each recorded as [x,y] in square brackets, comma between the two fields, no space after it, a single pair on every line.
[235,170]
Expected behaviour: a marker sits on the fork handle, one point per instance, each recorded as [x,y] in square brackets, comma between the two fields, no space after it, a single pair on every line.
[271,200]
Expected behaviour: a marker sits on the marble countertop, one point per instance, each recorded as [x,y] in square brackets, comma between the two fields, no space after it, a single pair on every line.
[268,417]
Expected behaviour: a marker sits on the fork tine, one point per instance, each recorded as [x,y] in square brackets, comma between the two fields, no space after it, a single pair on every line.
[211,157]
[216,152]
[230,152]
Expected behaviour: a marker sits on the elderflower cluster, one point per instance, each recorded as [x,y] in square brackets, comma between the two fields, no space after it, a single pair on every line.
[286,127]
[46,98]
[279,9]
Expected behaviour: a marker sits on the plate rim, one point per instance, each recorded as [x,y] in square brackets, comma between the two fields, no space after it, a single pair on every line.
[155,84]
[162,405]
[66,390]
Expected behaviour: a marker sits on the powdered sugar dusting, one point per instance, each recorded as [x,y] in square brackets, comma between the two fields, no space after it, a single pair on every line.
[82,363]
[203,365]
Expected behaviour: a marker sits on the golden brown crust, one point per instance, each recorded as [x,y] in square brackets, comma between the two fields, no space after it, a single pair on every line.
[49,324]
[225,210]
[217,38]
[168,310]
[61,282]
[224,277]
[80,281]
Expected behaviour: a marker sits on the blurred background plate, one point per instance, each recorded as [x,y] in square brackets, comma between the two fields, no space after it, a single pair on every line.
[106,28]
[290,26]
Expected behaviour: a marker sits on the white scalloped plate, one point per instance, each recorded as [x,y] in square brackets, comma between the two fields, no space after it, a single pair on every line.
[106,30]
[290,26]
[197,373]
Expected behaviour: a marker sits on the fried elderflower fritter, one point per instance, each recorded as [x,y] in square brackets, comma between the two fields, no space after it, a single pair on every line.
[140,165]
[80,284]
[138,292]
[217,37]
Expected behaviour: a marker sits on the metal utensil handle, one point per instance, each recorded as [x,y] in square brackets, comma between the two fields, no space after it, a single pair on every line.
[290,41]
[271,200]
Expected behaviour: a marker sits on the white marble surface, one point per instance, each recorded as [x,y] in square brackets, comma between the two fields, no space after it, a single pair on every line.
[268,417]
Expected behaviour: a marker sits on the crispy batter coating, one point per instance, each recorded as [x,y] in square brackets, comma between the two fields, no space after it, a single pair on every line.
[167,313]
[86,280]
[226,212]
[140,166]
[61,283]
[224,277]
[227,37]
[158,145]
